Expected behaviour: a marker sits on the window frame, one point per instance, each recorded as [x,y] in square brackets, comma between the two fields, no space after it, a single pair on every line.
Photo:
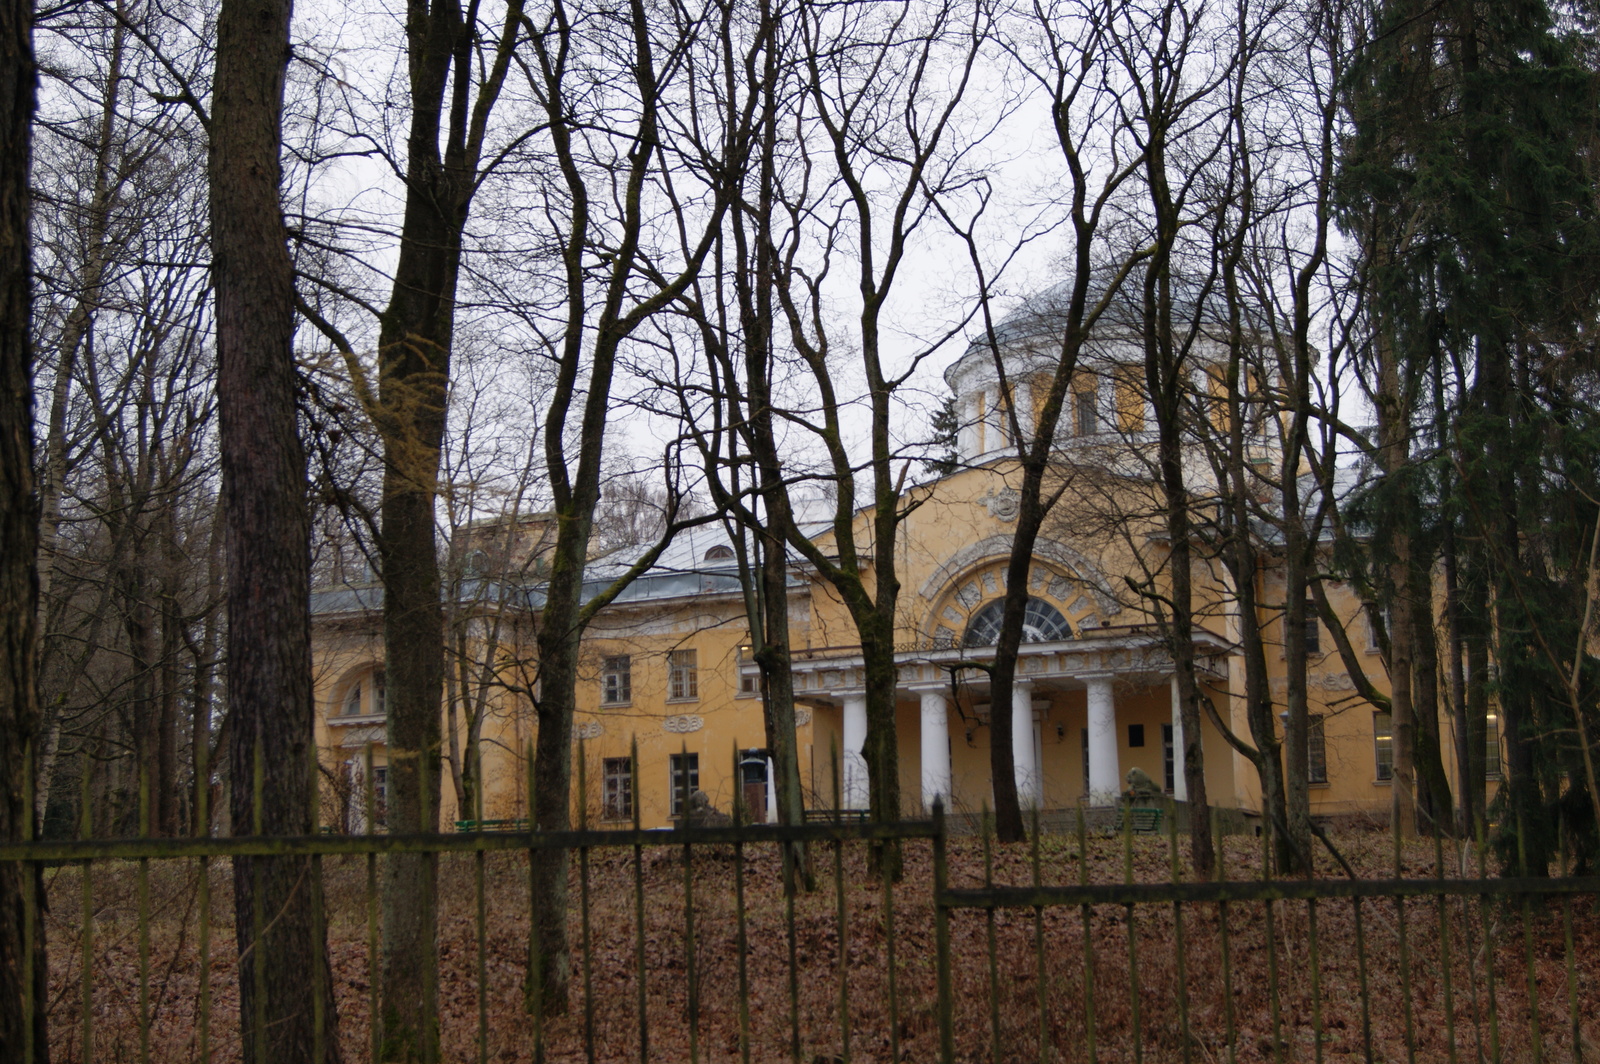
[1493,769]
[616,788]
[1316,749]
[1086,412]
[676,763]
[368,694]
[1383,747]
[683,675]
[1313,628]
[1083,742]
[616,680]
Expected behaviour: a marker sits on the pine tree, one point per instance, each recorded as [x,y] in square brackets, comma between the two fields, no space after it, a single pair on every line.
[1468,184]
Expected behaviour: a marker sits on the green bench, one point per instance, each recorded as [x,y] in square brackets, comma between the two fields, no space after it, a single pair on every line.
[517,824]
[1141,819]
[830,816]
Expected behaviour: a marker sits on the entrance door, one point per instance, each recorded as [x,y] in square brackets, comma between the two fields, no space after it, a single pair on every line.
[753,781]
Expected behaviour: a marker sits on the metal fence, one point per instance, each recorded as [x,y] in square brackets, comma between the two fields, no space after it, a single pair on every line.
[708,943]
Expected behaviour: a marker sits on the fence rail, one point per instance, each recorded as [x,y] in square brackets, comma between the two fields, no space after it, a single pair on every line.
[704,943]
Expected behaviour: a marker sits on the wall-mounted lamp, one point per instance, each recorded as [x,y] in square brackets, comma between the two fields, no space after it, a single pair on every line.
[1061,732]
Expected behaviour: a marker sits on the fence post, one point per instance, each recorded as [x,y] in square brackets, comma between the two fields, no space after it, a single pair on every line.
[941,934]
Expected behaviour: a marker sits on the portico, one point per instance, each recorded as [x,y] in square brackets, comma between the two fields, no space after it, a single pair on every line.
[1111,684]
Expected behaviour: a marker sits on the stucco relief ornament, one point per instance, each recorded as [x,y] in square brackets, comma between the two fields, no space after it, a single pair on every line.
[1003,505]
[590,730]
[802,716]
[687,722]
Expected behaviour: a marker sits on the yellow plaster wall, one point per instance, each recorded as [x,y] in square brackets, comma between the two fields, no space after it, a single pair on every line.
[954,513]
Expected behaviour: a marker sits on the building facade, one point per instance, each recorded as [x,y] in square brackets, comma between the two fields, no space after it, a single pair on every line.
[668,674]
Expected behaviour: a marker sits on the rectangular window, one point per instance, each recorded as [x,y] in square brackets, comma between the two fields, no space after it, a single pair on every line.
[1383,745]
[1130,403]
[1316,750]
[1169,760]
[1135,735]
[1491,748]
[1088,416]
[1085,734]
[1372,625]
[380,800]
[616,681]
[685,772]
[1313,628]
[617,798]
[749,682]
[1316,747]
[683,676]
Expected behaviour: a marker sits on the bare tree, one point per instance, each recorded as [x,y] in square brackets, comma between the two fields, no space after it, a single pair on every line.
[1068,50]
[277,915]
[445,46]
[881,134]
[457,66]
[616,149]
[129,474]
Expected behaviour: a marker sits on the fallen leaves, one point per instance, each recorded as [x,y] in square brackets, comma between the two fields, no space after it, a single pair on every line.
[825,1000]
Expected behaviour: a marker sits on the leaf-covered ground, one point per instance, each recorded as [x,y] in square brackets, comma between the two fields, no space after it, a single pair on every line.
[1023,981]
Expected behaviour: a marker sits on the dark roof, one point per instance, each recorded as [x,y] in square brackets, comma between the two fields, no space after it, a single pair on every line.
[1042,314]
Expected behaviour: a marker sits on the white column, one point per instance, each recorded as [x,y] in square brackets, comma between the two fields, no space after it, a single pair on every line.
[1180,784]
[1105,774]
[772,793]
[856,795]
[1023,757]
[935,749]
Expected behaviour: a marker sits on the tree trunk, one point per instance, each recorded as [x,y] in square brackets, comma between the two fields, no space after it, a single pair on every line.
[1433,792]
[284,983]
[1259,708]
[1165,380]
[414,666]
[1402,718]
[1466,816]
[777,681]
[414,352]
[1522,824]
[550,964]
[22,976]
[1293,849]
[756,317]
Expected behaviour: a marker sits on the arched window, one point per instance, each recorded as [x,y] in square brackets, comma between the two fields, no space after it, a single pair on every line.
[365,697]
[720,553]
[1041,623]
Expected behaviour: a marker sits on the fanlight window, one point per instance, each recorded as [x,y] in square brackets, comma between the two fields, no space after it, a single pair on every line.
[1041,623]
[365,697]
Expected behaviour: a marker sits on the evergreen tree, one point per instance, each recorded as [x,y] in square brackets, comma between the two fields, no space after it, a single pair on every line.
[1468,184]
[946,432]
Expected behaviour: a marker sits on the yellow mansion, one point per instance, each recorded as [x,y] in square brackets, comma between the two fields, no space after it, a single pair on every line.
[666,666]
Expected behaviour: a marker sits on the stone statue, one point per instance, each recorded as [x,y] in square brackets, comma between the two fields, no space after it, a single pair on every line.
[1140,785]
[702,814]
